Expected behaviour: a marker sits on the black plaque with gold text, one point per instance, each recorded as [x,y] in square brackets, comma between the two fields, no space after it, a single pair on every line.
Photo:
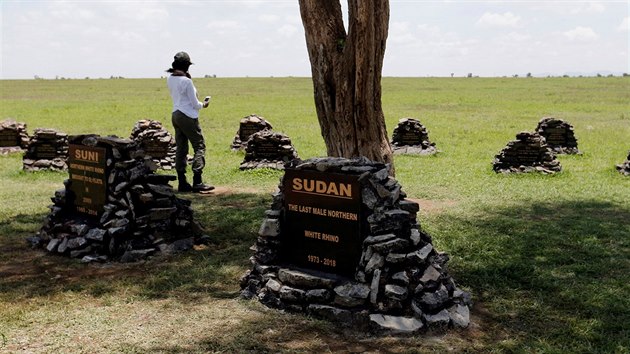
[322,221]
[247,129]
[87,168]
[155,149]
[9,137]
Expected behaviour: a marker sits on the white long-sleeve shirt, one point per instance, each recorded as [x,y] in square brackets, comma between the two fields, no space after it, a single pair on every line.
[184,95]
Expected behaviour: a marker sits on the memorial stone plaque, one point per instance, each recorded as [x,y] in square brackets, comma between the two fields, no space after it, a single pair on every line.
[249,126]
[87,168]
[267,150]
[9,137]
[155,149]
[246,129]
[44,151]
[526,154]
[322,221]
[411,138]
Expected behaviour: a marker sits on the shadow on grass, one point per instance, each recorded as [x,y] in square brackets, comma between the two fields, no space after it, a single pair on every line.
[231,221]
[547,277]
[554,276]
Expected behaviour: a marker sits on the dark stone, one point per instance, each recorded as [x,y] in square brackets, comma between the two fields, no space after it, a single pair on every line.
[291,294]
[396,292]
[396,324]
[439,321]
[330,313]
[351,294]
[164,190]
[318,295]
[52,244]
[76,242]
[304,280]
[435,300]
[459,315]
[390,246]
[378,239]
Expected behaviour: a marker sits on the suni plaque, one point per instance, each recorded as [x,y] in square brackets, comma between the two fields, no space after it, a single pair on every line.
[87,166]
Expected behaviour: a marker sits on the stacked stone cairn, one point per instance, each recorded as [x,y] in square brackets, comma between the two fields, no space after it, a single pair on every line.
[13,136]
[141,215]
[47,150]
[401,283]
[559,135]
[268,149]
[528,153]
[411,137]
[248,126]
[156,142]
[624,168]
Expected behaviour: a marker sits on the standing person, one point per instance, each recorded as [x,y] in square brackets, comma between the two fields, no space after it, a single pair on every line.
[185,120]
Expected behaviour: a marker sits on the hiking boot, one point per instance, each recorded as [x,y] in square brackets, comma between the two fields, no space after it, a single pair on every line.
[183,186]
[202,187]
[198,186]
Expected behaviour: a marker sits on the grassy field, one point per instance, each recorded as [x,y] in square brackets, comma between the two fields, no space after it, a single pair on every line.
[547,258]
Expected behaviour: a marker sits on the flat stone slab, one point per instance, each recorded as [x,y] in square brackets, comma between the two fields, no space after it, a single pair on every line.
[397,324]
[304,280]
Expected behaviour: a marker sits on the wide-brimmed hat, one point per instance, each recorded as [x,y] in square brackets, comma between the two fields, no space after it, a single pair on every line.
[182,57]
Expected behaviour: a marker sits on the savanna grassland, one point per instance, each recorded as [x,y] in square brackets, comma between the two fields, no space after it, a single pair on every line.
[546,258]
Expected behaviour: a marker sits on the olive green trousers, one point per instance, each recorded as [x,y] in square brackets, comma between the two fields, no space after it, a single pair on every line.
[188,130]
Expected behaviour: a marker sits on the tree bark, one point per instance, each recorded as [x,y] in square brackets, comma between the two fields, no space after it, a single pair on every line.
[346,70]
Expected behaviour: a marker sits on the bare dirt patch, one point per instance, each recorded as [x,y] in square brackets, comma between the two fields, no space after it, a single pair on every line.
[429,206]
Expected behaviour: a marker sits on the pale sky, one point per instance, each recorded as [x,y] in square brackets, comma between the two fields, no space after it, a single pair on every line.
[137,39]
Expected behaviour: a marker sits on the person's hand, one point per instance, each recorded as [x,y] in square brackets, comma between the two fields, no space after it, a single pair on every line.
[206,104]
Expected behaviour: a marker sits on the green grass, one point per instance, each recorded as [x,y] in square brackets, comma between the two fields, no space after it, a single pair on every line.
[547,258]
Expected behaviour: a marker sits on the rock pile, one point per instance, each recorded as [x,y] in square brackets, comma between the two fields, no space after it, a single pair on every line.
[47,150]
[156,142]
[528,153]
[140,214]
[411,137]
[559,135]
[401,282]
[268,149]
[248,126]
[624,168]
[13,136]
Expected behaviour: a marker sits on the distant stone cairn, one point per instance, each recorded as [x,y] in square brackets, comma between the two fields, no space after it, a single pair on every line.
[249,125]
[624,168]
[528,153]
[411,137]
[559,135]
[268,149]
[47,150]
[13,136]
[156,142]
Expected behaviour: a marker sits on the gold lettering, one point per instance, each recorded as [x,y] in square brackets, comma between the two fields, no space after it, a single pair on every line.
[331,238]
[321,187]
[309,185]
[86,155]
[312,234]
[332,189]
[297,184]
[345,190]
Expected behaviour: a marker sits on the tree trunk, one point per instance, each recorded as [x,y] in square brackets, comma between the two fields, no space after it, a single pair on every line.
[346,70]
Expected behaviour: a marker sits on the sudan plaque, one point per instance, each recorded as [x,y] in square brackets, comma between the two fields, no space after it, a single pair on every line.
[87,173]
[322,228]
